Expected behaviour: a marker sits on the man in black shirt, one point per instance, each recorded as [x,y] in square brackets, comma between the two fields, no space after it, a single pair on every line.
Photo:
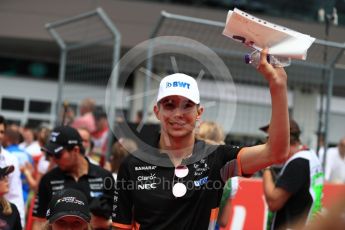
[179,183]
[296,194]
[73,171]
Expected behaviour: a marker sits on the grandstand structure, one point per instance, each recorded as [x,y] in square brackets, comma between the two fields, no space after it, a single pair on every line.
[30,58]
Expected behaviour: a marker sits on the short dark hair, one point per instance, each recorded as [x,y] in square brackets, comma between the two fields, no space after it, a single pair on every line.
[12,136]
[3,120]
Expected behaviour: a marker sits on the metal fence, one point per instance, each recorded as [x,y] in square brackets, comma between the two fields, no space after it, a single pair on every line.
[316,86]
[89,49]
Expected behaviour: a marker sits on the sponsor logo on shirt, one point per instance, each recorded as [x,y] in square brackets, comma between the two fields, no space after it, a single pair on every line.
[145,168]
[57,182]
[96,186]
[145,178]
[58,187]
[98,179]
[147,182]
[147,186]
[201,182]
[200,167]
[95,194]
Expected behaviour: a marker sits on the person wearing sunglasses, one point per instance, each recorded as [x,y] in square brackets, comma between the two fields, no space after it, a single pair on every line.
[184,191]
[9,214]
[73,170]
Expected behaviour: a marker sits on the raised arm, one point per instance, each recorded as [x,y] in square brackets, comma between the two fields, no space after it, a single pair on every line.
[276,148]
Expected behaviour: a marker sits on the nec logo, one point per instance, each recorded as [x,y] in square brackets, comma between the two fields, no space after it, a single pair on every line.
[147,186]
[180,84]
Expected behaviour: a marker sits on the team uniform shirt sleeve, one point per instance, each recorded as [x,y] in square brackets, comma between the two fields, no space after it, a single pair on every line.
[42,199]
[109,188]
[294,176]
[230,161]
[122,205]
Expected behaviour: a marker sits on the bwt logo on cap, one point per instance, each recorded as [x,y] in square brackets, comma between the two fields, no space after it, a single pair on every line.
[180,84]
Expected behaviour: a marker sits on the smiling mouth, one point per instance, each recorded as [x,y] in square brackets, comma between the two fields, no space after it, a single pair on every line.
[177,124]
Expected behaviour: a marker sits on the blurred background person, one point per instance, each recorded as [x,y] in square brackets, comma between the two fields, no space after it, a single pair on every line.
[138,117]
[67,115]
[212,133]
[34,173]
[15,194]
[100,135]
[88,146]
[45,163]
[11,141]
[86,118]
[68,209]
[30,144]
[9,214]
[297,192]
[335,163]
[119,151]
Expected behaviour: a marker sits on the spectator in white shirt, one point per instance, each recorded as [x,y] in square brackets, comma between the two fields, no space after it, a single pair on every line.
[30,144]
[15,194]
[335,163]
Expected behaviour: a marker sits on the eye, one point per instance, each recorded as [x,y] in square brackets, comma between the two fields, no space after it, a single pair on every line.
[168,105]
[188,105]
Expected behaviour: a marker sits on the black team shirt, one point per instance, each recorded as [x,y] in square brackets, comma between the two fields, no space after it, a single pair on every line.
[97,182]
[144,198]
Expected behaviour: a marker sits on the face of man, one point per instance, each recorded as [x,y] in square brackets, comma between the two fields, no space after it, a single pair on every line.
[69,222]
[2,133]
[28,136]
[67,159]
[86,138]
[177,115]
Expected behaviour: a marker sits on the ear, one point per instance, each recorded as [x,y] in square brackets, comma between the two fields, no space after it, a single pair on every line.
[200,111]
[156,111]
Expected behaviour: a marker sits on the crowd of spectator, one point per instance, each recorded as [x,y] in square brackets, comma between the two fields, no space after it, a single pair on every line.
[34,169]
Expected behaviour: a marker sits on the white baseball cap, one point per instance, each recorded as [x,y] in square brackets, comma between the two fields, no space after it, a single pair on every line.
[181,85]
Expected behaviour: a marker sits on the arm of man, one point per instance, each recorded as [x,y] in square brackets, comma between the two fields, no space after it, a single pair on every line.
[275,197]
[41,204]
[275,150]
[294,177]
[122,215]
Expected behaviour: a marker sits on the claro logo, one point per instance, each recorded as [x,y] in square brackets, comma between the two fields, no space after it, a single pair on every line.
[179,84]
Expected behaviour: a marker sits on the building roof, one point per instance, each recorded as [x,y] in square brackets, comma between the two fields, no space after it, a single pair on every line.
[23,32]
